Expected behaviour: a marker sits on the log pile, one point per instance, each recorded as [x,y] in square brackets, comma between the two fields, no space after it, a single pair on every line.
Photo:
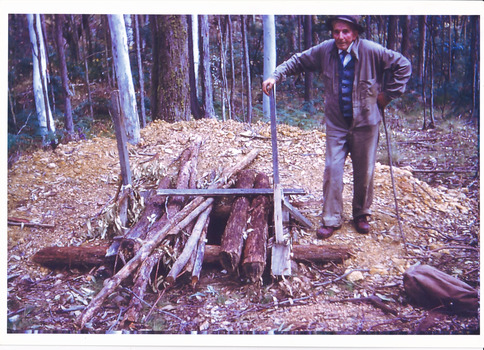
[169,239]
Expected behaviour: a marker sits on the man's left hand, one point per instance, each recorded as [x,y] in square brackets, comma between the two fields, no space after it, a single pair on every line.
[382,100]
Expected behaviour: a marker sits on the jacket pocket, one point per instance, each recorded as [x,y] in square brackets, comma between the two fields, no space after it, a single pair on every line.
[367,89]
[328,82]
[367,94]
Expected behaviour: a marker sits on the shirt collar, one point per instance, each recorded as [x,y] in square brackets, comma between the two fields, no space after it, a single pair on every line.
[348,49]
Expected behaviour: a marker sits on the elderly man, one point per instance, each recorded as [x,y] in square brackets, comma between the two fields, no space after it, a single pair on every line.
[360,78]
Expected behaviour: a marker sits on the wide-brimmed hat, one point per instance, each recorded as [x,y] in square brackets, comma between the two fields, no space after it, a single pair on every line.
[353,20]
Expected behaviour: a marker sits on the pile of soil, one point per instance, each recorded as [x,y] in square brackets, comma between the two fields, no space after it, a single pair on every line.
[70,186]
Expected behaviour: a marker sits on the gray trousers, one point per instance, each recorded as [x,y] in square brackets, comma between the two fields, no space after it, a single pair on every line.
[361,143]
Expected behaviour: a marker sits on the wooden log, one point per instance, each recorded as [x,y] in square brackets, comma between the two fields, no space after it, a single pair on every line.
[91,256]
[60,257]
[233,236]
[199,256]
[220,192]
[320,253]
[190,246]
[255,251]
[300,252]
[181,220]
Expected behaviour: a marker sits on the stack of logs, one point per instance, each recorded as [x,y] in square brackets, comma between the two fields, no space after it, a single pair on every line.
[177,226]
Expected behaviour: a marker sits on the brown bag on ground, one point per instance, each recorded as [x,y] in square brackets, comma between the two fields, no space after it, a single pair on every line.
[432,288]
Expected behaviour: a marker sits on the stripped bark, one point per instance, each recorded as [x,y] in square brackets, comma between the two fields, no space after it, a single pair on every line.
[255,252]
[233,236]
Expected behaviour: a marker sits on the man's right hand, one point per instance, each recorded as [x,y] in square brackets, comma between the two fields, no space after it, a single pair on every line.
[268,85]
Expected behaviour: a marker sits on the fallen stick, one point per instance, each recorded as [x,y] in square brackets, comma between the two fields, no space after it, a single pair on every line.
[24,222]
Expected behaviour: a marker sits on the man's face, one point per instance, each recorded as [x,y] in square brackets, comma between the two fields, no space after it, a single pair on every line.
[343,34]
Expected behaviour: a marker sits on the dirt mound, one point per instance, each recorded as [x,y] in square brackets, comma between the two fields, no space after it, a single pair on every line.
[72,184]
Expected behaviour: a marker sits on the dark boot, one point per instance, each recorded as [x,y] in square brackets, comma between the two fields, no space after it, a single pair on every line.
[324,232]
[361,224]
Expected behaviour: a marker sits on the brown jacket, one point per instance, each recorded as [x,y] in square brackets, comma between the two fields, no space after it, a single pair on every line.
[372,61]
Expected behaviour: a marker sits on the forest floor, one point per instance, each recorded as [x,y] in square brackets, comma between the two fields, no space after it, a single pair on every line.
[70,185]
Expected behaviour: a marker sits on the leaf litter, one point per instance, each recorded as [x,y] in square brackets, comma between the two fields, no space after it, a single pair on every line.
[71,187]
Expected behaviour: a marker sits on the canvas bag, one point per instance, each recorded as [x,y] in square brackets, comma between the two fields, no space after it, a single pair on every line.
[430,287]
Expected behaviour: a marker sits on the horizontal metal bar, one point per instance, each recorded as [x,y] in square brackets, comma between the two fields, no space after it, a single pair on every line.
[208,192]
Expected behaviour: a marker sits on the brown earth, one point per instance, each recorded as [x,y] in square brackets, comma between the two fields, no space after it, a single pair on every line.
[71,186]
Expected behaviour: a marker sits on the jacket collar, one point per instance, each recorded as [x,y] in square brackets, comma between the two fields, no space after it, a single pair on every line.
[354,48]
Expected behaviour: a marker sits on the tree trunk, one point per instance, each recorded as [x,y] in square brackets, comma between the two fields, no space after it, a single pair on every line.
[140,73]
[223,69]
[405,20]
[46,121]
[128,23]
[233,236]
[450,44]
[196,50]
[155,66]
[74,39]
[107,40]
[232,67]
[124,77]
[431,73]
[194,105]
[69,124]
[368,27]
[206,75]
[422,29]
[308,42]
[173,69]
[86,78]
[87,33]
[121,139]
[475,66]
[269,56]
[392,32]
[255,251]
[247,69]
